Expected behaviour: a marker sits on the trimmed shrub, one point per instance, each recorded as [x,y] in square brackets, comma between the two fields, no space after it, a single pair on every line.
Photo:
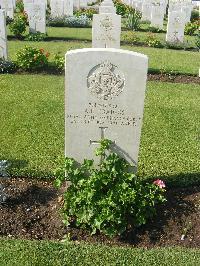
[130,37]
[30,58]
[36,37]
[86,12]
[18,26]
[191,28]
[152,41]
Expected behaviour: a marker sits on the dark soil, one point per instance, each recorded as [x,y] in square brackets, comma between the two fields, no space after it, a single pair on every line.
[174,78]
[32,211]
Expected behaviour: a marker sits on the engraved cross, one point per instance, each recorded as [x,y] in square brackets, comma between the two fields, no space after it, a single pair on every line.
[103,129]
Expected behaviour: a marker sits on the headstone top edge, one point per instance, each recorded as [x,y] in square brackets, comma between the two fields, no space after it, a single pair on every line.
[112,50]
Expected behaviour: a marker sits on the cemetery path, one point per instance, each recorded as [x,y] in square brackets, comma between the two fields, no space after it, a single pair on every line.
[32,211]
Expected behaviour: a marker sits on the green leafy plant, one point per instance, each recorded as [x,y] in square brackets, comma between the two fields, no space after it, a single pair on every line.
[59,61]
[130,37]
[198,41]
[19,6]
[36,37]
[175,45]
[18,26]
[86,12]
[109,198]
[155,29]
[133,19]
[194,15]
[191,28]
[152,41]
[121,8]
[30,58]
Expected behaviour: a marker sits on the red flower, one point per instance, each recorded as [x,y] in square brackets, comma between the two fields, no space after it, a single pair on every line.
[41,50]
[47,54]
[159,183]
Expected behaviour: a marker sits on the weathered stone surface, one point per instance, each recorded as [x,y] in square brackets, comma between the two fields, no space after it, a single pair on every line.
[37,17]
[106,31]
[175,27]
[3,36]
[104,99]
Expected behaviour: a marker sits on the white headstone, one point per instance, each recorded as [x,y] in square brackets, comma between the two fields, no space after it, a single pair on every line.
[107,7]
[157,16]
[3,35]
[68,7]
[104,99]
[76,4]
[106,27]
[57,8]
[26,5]
[37,18]
[7,6]
[146,11]
[175,27]
[187,10]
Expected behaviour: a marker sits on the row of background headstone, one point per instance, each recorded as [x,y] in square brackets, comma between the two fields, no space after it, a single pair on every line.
[107,24]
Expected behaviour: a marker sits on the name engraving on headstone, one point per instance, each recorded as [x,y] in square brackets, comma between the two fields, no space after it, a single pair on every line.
[102,114]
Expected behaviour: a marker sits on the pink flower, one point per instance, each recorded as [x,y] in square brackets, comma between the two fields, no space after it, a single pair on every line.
[159,183]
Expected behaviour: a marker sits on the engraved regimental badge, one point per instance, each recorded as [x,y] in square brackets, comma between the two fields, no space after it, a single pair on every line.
[105,81]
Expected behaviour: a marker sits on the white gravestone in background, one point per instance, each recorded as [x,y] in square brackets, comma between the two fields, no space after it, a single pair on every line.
[68,7]
[106,27]
[104,99]
[146,11]
[187,9]
[157,16]
[76,4]
[107,7]
[26,5]
[57,8]
[37,18]
[175,27]
[7,6]
[3,35]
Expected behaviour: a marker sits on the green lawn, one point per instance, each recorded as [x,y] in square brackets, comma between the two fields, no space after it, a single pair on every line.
[32,126]
[20,253]
[159,59]
[82,34]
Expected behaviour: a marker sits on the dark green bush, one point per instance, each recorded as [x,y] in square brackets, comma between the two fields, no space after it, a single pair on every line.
[36,37]
[109,198]
[7,66]
[86,12]
[130,37]
[59,62]
[19,6]
[18,26]
[30,58]
[191,28]
[194,15]
[152,41]
[121,8]
[198,41]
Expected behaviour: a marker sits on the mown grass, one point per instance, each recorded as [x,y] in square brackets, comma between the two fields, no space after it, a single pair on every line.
[20,252]
[165,60]
[83,34]
[32,127]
